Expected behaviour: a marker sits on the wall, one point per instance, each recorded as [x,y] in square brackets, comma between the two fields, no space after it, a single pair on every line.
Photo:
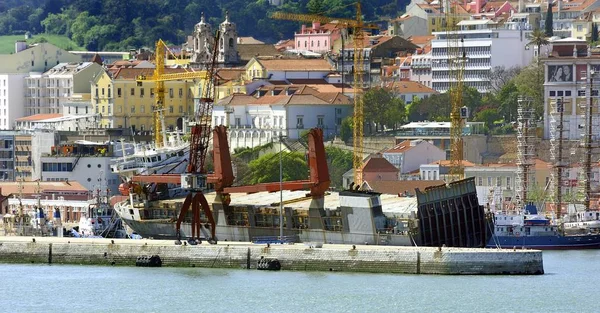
[373,259]
[12,99]
[40,58]
[91,172]
[422,153]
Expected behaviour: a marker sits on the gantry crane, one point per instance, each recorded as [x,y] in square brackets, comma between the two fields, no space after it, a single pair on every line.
[195,179]
[159,77]
[358,26]
[456,65]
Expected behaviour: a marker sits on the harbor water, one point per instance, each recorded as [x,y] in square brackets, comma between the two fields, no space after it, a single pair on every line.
[567,286]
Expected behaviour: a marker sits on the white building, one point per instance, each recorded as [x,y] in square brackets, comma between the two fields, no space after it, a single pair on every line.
[410,90]
[87,163]
[46,93]
[420,68]
[408,155]
[256,121]
[57,122]
[13,70]
[486,46]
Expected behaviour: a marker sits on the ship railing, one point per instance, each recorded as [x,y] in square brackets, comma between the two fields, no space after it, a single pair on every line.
[274,239]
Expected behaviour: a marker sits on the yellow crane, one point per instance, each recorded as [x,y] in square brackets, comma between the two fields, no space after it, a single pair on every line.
[159,77]
[456,66]
[358,26]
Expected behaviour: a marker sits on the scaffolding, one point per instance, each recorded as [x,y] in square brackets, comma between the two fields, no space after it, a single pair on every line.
[557,160]
[589,126]
[525,151]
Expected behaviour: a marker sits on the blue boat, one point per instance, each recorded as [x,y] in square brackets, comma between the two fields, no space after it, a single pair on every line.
[533,231]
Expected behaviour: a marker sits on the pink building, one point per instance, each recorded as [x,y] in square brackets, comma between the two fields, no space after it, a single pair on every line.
[318,38]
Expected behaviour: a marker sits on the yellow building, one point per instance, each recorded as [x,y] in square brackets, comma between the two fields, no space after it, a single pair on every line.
[124,102]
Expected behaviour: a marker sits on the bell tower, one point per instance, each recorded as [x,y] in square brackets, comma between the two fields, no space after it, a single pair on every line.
[228,53]
[203,42]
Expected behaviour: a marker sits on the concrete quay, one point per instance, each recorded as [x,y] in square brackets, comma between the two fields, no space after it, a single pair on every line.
[296,257]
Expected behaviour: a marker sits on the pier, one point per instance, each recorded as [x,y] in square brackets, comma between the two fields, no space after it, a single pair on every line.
[296,257]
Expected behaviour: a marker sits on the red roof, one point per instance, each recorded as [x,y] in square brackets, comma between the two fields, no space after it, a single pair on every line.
[378,164]
[401,147]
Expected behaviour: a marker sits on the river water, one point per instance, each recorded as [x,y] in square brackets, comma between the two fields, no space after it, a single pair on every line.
[569,285]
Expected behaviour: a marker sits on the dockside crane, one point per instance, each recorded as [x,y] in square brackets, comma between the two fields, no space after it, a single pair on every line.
[159,77]
[195,179]
[358,37]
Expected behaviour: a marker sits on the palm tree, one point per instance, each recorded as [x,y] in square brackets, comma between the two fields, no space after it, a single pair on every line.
[538,38]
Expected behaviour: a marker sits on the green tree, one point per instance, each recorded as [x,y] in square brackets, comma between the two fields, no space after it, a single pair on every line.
[507,99]
[594,36]
[549,22]
[530,84]
[488,116]
[539,39]
[378,103]
[339,162]
[315,6]
[266,168]
[81,26]
[347,128]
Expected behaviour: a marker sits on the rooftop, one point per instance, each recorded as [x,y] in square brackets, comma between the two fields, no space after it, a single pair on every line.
[8,188]
[38,117]
[295,64]
[401,187]
[377,164]
[410,87]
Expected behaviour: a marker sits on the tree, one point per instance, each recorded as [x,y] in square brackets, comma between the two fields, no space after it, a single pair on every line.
[530,84]
[594,36]
[347,128]
[549,22]
[382,108]
[507,99]
[500,76]
[539,39]
[339,162]
[315,6]
[488,116]
[266,168]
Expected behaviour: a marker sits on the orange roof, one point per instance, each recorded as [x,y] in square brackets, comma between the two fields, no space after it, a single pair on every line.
[295,64]
[133,73]
[401,147]
[31,187]
[399,187]
[378,163]
[38,117]
[421,40]
[230,73]
[410,87]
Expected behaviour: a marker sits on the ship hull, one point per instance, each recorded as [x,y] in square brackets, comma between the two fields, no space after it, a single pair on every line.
[165,229]
[546,242]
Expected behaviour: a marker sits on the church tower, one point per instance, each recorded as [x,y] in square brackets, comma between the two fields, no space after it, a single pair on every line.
[228,52]
[203,42]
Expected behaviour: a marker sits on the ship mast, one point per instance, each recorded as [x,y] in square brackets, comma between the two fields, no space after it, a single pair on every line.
[525,151]
[587,142]
[556,153]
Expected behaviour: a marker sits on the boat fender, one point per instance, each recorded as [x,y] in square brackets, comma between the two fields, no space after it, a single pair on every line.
[268,264]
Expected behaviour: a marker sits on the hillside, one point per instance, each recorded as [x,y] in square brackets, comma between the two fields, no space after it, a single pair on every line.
[7,43]
[119,25]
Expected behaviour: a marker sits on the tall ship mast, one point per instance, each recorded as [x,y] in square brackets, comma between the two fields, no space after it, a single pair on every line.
[588,144]
[557,135]
[525,151]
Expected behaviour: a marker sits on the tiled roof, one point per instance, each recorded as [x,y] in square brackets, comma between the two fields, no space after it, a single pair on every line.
[236,99]
[296,64]
[410,87]
[401,147]
[31,187]
[249,51]
[133,73]
[378,164]
[249,41]
[38,117]
[399,187]
[231,73]
[421,40]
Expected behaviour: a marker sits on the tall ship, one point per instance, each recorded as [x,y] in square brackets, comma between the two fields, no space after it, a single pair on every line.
[521,225]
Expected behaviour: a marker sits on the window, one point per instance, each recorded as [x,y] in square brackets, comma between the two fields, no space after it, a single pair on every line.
[181,109]
[580,93]
[579,28]
[559,93]
[96,92]
[171,109]
[238,121]
[170,92]
[109,93]
[141,92]
[180,92]
[133,91]
[489,181]
[325,43]
[298,43]
[142,108]
[119,92]
[320,119]
[567,93]
[300,122]
[498,181]
[133,109]
[109,110]
[480,181]
[103,91]
[508,182]
[151,92]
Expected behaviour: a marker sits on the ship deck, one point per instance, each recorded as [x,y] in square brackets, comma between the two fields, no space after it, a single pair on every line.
[392,205]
